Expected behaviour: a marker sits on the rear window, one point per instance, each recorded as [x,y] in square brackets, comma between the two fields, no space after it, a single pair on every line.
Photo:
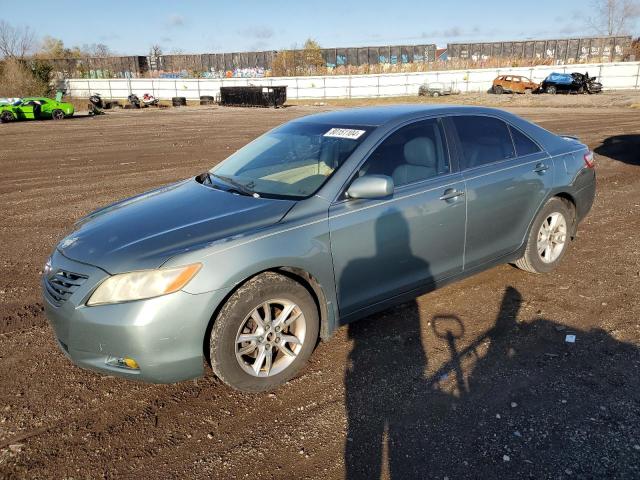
[484,140]
[524,145]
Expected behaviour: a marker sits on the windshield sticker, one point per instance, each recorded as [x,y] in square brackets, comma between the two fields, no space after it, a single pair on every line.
[344,133]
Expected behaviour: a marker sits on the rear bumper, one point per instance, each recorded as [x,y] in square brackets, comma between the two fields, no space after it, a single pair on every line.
[585,196]
[164,335]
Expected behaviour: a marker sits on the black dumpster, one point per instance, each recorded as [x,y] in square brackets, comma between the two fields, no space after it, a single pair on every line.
[253,96]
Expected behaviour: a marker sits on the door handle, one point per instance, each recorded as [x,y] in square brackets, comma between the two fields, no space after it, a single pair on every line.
[451,193]
[541,168]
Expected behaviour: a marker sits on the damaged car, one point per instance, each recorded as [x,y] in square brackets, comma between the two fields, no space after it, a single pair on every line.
[513,84]
[570,83]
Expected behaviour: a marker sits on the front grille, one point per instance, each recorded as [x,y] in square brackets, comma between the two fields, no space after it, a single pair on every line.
[60,286]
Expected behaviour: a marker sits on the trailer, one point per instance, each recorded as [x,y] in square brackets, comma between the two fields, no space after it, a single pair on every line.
[253,96]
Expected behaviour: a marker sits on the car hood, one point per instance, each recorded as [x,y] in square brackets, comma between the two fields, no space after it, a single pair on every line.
[145,231]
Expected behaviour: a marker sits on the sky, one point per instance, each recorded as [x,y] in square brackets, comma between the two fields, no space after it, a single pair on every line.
[216,26]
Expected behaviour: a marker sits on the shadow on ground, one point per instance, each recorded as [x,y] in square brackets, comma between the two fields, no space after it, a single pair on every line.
[624,148]
[531,405]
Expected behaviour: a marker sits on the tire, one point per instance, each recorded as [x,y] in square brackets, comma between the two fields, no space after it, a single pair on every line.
[57,114]
[552,90]
[498,90]
[206,100]
[535,262]
[178,101]
[7,116]
[239,370]
[435,94]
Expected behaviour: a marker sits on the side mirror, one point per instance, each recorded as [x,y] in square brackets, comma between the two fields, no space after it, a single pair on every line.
[371,186]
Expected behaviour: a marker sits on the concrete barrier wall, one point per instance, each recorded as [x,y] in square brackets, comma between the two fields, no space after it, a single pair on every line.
[614,76]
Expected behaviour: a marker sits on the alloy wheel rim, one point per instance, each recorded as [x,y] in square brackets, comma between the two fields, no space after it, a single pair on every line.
[552,237]
[270,338]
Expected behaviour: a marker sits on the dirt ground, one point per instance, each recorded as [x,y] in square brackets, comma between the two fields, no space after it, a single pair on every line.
[472,381]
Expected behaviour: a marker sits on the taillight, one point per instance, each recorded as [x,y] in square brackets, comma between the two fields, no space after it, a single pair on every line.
[588,160]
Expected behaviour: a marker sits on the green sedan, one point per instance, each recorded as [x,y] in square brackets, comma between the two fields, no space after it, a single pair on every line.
[35,108]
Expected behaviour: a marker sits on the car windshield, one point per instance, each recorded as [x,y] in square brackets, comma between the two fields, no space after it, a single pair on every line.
[292,161]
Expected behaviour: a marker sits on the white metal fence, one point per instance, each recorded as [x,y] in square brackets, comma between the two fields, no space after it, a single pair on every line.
[614,76]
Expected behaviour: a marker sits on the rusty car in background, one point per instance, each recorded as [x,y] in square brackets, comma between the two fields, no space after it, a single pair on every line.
[513,84]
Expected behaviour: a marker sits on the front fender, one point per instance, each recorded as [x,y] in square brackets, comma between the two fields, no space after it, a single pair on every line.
[303,246]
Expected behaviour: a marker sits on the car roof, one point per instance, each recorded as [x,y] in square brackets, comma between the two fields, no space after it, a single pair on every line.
[38,98]
[378,116]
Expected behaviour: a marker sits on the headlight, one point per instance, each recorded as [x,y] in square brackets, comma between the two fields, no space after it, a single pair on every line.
[143,284]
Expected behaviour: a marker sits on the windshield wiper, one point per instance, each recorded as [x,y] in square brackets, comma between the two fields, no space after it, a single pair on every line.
[237,186]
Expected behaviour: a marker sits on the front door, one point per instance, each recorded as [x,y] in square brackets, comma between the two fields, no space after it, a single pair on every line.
[385,247]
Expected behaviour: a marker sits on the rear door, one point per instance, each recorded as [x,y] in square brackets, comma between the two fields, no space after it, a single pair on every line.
[507,176]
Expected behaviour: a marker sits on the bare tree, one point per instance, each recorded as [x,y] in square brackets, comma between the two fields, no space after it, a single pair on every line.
[15,42]
[614,17]
[155,51]
[97,50]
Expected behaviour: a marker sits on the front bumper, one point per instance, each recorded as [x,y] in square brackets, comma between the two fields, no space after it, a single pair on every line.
[164,335]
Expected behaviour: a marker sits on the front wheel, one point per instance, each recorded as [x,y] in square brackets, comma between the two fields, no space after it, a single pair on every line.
[264,334]
[548,239]
[7,116]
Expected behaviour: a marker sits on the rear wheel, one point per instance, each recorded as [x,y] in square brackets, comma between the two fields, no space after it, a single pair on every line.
[7,116]
[552,89]
[548,238]
[435,94]
[498,90]
[57,114]
[264,333]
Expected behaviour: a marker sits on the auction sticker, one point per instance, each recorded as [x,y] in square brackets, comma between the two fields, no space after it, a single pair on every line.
[344,133]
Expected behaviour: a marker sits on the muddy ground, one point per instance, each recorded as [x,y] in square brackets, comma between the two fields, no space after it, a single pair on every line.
[472,381]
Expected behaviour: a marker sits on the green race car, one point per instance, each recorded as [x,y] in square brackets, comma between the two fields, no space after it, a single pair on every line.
[35,108]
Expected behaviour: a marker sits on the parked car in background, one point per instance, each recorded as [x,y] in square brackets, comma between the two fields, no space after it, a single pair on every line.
[513,84]
[317,223]
[570,83]
[437,89]
[35,108]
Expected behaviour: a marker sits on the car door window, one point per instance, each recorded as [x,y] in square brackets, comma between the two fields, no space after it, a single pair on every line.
[483,139]
[411,154]
[524,145]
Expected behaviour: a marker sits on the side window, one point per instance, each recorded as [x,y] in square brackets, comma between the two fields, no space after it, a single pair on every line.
[484,140]
[413,153]
[524,145]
